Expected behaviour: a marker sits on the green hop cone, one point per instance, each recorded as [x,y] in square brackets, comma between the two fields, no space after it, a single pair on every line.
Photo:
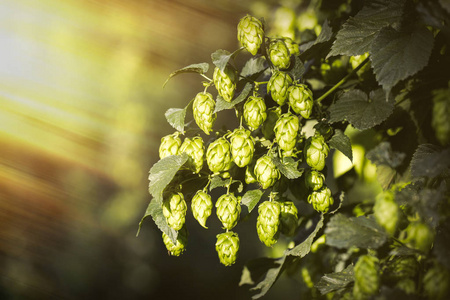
[316,151]
[228,209]
[242,147]
[441,110]
[201,207]
[250,176]
[292,46]
[314,180]
[367,277]
[289,218]
[181,243]
[419,236]
[218,155]
[278,86]
[301,100]
[203,111]
[227,247]
[195,149]
[286,131]
[250,33]
[321,199]
[254,112]
[436,283]
[225,82]
[386,211]
[266,172]
[401,267]
[170,145]
[273,114]
[269,213]
[174,209]
[407,285]
[279,54]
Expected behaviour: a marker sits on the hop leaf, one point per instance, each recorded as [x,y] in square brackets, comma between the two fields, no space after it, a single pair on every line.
[174,209]
[301,100]
[250,33]
[273,114]
[441,111]
[386,211]
[367,277]
[314,180]
[278,86]
[269,213]
[279,54]
[419,236]
[203,111]
[195,149]
[289,219]
[170,144]
[321,199]
[218,155]
[225,82]
[228,210]
[242,147]
[286,130]
[436,283]
[266,172]
[316,151]
[227,247]
[402,267]
[254,112]
[180,246]
[201,207]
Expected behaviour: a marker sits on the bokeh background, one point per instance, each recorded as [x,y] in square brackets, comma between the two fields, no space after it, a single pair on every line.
[81,117]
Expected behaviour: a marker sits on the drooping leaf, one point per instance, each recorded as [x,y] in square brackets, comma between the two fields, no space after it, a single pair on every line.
[335,281]
[361,111]
[216,182]
[302,249]
[321,44]
[251,199]
[383,155]
[255,269]
[297,68]
[221,104]
[430,161]
[253,66]
[341,142]
[221,57]
[273,272]
[362,232]
[154,210]
[386,176]
[288,167]
[175,117]
[194,68]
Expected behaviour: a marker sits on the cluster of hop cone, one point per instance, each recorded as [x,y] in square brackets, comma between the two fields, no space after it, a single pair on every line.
[237,148]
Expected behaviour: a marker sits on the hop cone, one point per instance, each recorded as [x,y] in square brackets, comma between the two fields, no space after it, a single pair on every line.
[292,46]
[420,236]
[203,110]
[195,149]
[242,147]
[201,207]
[178,248]
[316,151]
[407,285]
[170,144]
[441,111]
[250,176]
[367,277]
[273,114]
[227,247]
[225,82]
[266,172]
[174,209]
[250,33]
[286,130]
[288,218]
[278,86]
[218,155]
[314,180]
[301,100]
[228,210]
[401,267]
[321,200]
[386,211]
[269,213]
[436,283]
[254,112]
[279,54]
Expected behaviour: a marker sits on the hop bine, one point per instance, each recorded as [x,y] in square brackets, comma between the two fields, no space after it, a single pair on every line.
[316,152]
[278,86]
[227,247]
[321,199]
[195,149]
[254,112]
[250,33]
[228,210]
[225,82]
[203,111]
[266,172]
[242,147]
[201,206]
[269,213]
[218,156]
[170,145]
[279,54]
[174,210]
[367,277]
[301,100]
[286,130]
[180,246]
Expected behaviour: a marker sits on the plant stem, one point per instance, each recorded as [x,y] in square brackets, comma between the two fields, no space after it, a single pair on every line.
[206,77]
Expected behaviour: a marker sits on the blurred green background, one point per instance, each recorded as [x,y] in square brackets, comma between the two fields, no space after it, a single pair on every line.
[81,117]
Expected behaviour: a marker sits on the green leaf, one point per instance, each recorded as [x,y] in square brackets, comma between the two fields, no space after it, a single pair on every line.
[162,173]
[361,232]
[361,111]
[154,210]
[296,69]
[251,199]
[221,57]
[383,155]
[341,142]
[430,161]
[335,281]
[274,269]
[311,48]
[396,55]
[175,117]
[221,104]
[253,66]
[216,182]
[386,176]
[288,167]
[302,249]
[194,68]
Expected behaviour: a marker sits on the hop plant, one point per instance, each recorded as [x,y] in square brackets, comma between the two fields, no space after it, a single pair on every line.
[227,247]
[436,283]
[228,210]
[203,111]
[419,236]
[321,199]
[266,172]
[301,100]
[279,54]
[180,246]
[254,112]
[316,152]
[174,210]
[292,46]
[269,213]
[250,33]
[170,145]
[201,207]
[195,149]
[225,82]
[401,267]
[242,147]
[356,60]
[289,218]
[218,155]
[273,114]
[441,111]
[386,211]
[314,180]
[278,86]
[250,176]
[367,277]
[286,130]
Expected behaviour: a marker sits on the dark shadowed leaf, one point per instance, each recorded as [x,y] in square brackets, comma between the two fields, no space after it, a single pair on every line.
[288,167]
[341,142]
[221,104]
[271,271]
[154,210]
[383,155]
[194,68]
[254,66]
[335,281]
[304,248]
[297,68]
[430,161]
